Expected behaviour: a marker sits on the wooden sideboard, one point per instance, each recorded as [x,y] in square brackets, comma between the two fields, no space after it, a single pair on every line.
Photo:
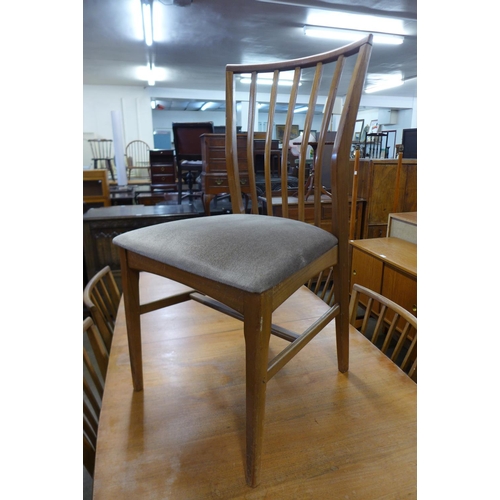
[101,225]
[387,266]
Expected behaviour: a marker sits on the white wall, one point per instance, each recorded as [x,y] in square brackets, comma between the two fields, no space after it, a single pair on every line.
[139,121]
[133,103]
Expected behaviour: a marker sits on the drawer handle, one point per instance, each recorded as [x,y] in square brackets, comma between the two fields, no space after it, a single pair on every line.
[243,181]
[163,169]
[354,272]
[414,308]
[163,178]
[219,181]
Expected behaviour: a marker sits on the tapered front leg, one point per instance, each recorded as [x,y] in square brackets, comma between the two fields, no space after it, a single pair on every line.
[257,328]
[130,285]
[341,293]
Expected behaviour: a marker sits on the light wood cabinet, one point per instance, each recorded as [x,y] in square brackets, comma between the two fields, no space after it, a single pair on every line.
[387,266]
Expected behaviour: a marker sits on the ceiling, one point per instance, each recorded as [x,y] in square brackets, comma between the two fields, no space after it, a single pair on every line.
[195,39]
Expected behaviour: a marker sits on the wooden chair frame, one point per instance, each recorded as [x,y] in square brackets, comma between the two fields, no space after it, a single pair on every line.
[256,309]
[94,376]
[134,150]
[102,297]
[400,324]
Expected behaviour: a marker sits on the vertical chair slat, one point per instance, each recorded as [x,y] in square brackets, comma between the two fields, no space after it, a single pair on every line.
[306,134]
[250,143]
[328,111]
[231,148]
[286,138]
[402,339]
[390,333]
[269,134]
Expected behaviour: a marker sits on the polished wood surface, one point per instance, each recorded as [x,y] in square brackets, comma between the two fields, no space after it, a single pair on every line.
[399,253]
[389,267]
[327,434]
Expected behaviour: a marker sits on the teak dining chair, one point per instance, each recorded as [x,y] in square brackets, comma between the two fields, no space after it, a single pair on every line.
[387,325]
[247,264]
[102,297]
[95,365]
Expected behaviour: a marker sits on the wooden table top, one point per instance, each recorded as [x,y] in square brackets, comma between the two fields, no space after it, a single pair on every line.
[327,434]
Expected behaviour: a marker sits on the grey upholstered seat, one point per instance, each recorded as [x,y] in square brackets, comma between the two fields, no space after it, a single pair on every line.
[250,252]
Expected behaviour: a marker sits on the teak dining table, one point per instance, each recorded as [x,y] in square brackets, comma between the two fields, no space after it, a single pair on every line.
[327,435]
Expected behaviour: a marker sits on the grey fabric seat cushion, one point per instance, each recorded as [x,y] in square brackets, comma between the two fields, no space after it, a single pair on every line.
[250,252]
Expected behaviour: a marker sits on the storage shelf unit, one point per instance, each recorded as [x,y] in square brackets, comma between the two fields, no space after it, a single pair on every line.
[162,166]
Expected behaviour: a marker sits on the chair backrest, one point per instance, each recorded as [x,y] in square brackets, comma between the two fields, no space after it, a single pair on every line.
[138,152]
[312,76]
[95,364]
[187,142]
[101,148]
[101,296]
[388,326]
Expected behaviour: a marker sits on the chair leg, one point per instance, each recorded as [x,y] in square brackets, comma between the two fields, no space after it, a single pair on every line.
[130,285]
[341,292]
[257,330]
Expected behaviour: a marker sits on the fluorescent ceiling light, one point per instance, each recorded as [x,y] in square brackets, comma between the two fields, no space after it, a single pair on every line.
[384,85]
[206,106]
[300,110]
[356,22]
[147,20]
[351,35]
[151,74]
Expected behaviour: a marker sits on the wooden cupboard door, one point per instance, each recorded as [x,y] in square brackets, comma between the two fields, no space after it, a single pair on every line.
[400,288]
[409,203]
[366,270]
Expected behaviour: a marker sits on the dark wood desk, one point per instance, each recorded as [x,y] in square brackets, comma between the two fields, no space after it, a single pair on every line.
[327,434]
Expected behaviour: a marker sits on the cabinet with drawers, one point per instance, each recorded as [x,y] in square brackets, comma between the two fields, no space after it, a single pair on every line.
[387,266]
[162,167]
[214,179]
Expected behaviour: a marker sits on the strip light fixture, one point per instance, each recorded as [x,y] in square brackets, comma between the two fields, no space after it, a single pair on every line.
[151,75]
[387,83]
[351,35]
[147,21]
